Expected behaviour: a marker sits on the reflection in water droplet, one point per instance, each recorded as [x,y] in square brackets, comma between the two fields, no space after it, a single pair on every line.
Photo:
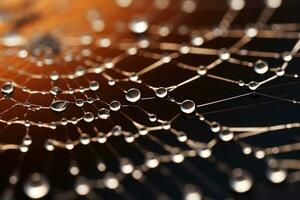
[133,95]
[7,88]
[103,113]
[59,105]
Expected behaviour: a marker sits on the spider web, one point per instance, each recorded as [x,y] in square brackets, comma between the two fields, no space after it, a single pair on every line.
[149,99]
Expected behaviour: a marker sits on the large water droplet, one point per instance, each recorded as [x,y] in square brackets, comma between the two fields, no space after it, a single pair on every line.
[188,107]
[36,186]
[240,181]
[138,26]
[115,106]
[59,105]
[7,88]
[133,95]
[261,67]
[276,174]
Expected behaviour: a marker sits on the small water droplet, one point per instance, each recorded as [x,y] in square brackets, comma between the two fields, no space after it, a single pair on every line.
[103,113]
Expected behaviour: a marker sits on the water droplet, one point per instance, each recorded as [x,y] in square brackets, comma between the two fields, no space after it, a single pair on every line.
[276,174]
[59,105]
[161,92]
[143,131]
[286,56]
[82,187]
[134,77]
[273,3]
[49,145]
[27,140]
[197,40]
[103,113]
[101,138]
[261,67]
[251,32]
[126,166]
[85,139]
[138,26]
[182,137]
[201,70]
[177,158]
[166,125]
[69,145]
[36,186]
[7,88]
[133,95]
[80,71]
[111,182]
[204,152]
[79,102]
[94,85]
[54,76]
[55,91]
[101,166]
[215,127]
[116,130]
[88,117]
[226,135]
[192,193]
[280,72]
[152,118]
[151,161]
[188,107]
[240,181]
[115,106]
[224,54]
[236,4]
[253,85]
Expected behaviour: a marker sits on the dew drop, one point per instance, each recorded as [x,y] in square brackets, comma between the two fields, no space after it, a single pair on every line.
[133,95]
[261,67]
[138,26]
[240,181]
[224,54]
[7,88]
[152,118]
[215,127]
[85,139]
[226,135]
[111,182]
[253,85]
[161,92]
[276,174]
[82,188]
[103,113]
[115,106]
[201,70]
[79,102]
[59,105]
[36,186]
[55,91]
[94,85]
[188,107]
[88,117]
